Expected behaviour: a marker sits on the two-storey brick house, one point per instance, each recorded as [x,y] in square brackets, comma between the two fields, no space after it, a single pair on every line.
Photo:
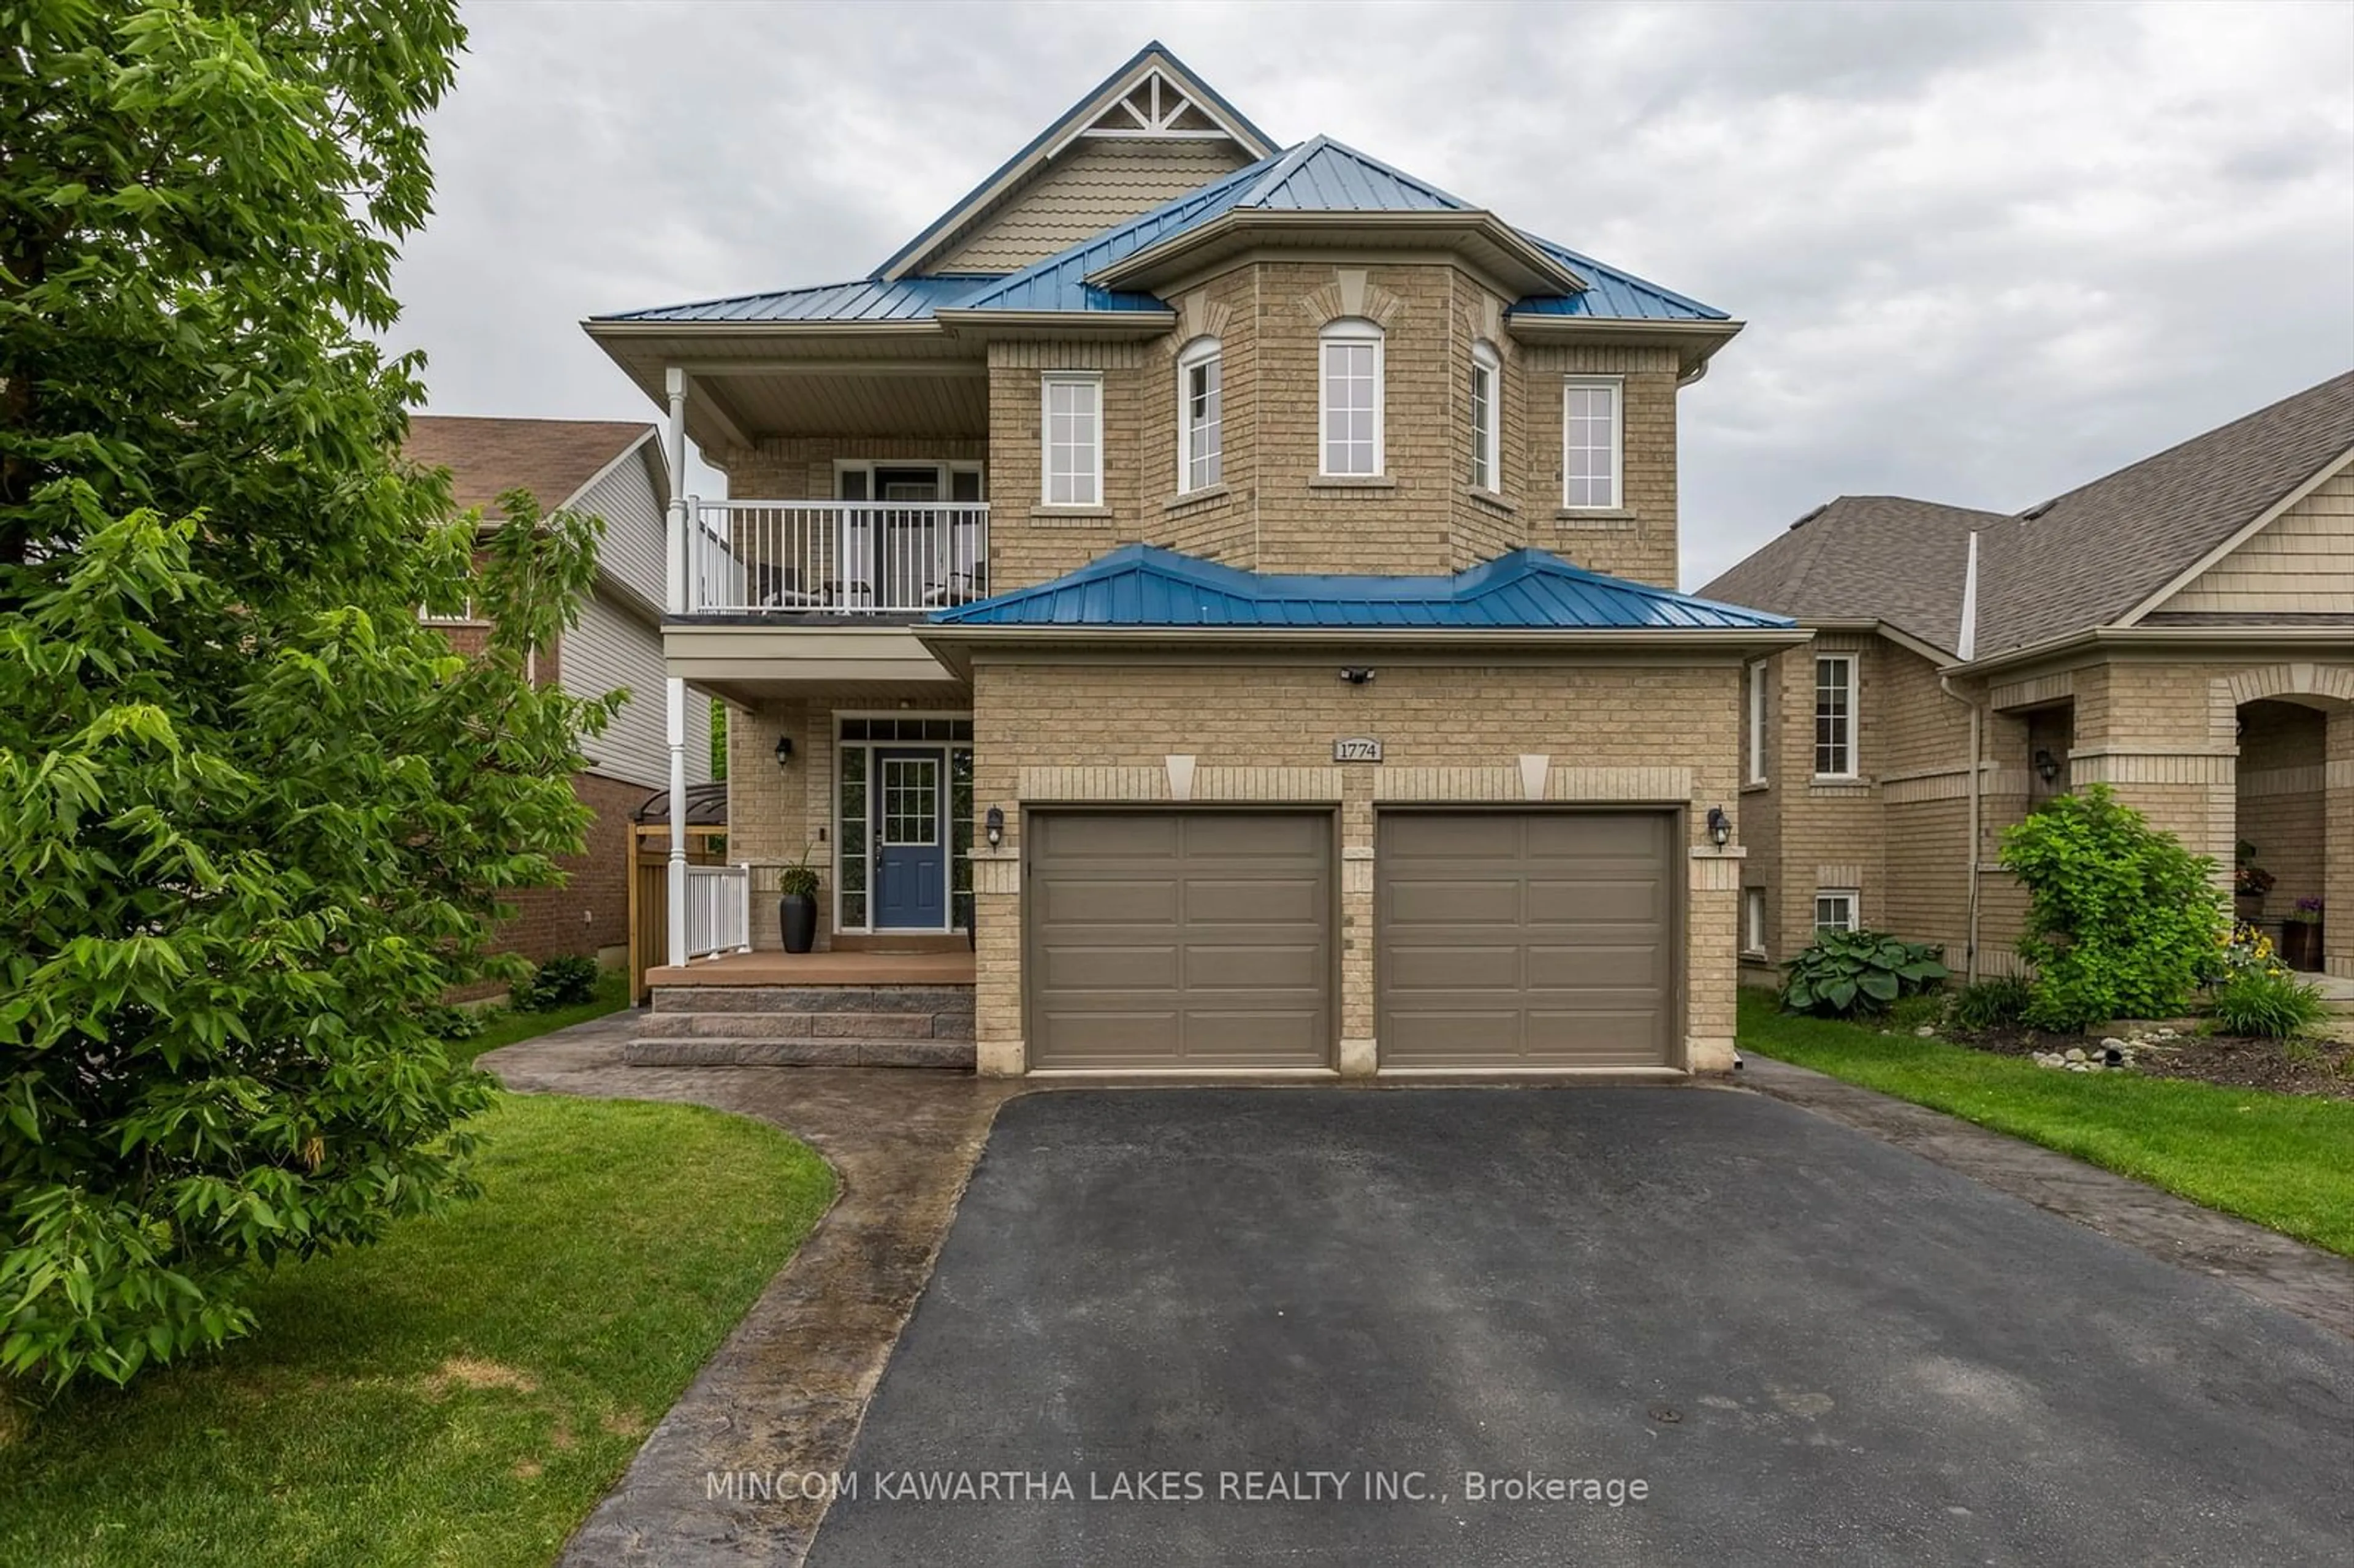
[1232,585]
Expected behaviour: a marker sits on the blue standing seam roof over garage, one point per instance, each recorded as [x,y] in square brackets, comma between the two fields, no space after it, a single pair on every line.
[1318,176]
[1142,586]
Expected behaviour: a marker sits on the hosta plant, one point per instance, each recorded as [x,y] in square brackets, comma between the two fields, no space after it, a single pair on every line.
[1851,974]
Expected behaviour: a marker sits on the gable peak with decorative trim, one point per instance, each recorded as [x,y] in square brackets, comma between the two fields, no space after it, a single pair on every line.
[1153,99]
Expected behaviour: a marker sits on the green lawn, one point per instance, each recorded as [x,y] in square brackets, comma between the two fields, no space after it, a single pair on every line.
[504,1026]
[2282,1160]
[461,1394]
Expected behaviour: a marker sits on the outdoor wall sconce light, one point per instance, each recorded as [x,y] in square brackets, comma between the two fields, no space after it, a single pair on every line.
[2046,767]
[1720,827]
[994,825]
[1356,675]
[784,751]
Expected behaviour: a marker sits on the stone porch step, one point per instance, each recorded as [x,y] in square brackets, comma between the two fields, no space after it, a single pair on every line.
[832,1051]
[812,999]
[704,1025]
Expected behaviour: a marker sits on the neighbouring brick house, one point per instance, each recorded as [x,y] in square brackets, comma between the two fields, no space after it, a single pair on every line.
[614,470]
[1232,586]
[2181,630]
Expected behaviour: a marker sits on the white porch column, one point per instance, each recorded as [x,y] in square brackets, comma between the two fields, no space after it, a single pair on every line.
[681,520]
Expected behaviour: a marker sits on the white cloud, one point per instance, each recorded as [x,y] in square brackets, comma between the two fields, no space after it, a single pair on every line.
[1985,251]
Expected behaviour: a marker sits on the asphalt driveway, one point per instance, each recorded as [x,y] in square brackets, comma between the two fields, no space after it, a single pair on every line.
[1267,1325]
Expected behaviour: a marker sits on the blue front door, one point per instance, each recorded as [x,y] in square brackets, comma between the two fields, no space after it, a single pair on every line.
[911,848]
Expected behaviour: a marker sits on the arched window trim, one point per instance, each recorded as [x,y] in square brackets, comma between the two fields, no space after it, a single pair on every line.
[1487,418]
[1349,333]
[1201,466]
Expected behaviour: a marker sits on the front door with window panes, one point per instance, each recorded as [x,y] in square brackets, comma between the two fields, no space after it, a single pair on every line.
[911,855]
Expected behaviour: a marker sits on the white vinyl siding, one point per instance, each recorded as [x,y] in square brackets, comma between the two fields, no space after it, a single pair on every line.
[611,650]
[1073,428]
[1349,400]
[1201,409]
[1591,443]
[1487,418]
[626,498]
[1835,716]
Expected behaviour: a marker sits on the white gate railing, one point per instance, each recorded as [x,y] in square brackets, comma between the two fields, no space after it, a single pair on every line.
[718,910]
[837,557]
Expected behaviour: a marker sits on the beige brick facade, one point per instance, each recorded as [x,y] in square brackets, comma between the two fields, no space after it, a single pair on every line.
[2213,751]
[1263,731]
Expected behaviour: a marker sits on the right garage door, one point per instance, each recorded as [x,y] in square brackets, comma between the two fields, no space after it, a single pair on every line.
[1525,938]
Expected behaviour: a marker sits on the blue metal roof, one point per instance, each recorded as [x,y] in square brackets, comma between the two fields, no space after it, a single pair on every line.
[1142,586]
[865,300]
[1318,176]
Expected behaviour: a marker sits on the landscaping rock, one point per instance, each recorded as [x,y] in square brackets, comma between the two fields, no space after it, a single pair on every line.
[1927,1031]
[2075,1053]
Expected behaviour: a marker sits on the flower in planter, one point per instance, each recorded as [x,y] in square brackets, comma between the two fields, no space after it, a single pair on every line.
[2306,913]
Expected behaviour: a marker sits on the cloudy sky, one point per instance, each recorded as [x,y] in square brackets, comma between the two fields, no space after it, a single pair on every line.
[1986,253]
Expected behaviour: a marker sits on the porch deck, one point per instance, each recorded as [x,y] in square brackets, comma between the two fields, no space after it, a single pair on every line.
[819,970]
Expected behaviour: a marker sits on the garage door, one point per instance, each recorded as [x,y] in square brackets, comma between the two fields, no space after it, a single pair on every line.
[1525,938]
[1167,939]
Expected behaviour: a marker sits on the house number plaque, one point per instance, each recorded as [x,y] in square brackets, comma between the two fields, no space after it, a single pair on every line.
[1357,749]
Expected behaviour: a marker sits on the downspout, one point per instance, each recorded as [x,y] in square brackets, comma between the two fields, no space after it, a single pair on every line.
[1966,646]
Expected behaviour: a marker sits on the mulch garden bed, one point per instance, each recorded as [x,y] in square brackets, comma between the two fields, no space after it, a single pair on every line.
[2306,1066]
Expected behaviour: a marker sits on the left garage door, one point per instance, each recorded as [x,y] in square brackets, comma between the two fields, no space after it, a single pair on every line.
[1174,939]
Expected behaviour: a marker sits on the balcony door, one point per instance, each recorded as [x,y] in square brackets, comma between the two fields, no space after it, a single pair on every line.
[902,549]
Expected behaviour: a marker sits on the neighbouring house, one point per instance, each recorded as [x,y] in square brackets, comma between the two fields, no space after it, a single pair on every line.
[615,470]
[1230,586]
[2181,630]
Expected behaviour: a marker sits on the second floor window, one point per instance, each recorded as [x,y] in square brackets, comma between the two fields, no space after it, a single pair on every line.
[1589,445]
[1074,430]
[1487,417]
[1200,400]
[1351,400]
[1835,715]
[1757,721]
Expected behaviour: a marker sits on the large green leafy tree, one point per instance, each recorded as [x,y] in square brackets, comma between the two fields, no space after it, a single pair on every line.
[254,818]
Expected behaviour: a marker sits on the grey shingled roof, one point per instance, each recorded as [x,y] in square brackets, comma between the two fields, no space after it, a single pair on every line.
[1866,557]
[2101,549]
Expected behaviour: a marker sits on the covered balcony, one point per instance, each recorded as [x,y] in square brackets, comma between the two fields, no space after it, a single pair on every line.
[824,559]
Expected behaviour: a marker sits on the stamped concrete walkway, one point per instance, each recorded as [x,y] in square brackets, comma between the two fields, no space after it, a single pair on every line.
[787,1392]
[784,1394]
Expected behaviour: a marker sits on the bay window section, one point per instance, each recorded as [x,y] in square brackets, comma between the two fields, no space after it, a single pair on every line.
[1486,418]
[1591,436]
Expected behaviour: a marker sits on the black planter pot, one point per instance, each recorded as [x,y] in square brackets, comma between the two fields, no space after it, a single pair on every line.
[797,912]
[2300,945]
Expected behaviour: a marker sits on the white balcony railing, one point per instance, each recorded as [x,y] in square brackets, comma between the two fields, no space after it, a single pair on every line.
[837,557]
[718,909]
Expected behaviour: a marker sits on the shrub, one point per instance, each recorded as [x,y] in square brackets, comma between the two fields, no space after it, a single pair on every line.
[2256,1001]
[1857,974]
[450,1022]
[2122,920]
[2000,1004]
[564,981]
[1926,1009]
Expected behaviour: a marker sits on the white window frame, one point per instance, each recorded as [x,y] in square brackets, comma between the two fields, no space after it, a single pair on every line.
[1854,685]
[1351,331]
[465,616]
[1486,438]
[1616,388]
[1758,669]
[1092,379]
[1200,352]
[1854,897]
[1753,921]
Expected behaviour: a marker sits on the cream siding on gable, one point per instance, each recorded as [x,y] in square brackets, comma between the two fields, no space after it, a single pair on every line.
[611,649]
[1095,184]
[632,551]
[2301,562]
